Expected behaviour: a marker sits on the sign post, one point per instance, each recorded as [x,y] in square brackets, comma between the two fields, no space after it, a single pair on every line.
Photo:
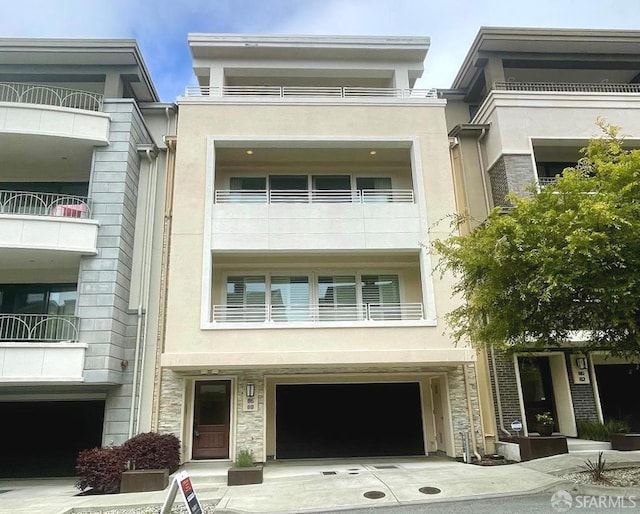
[182,482]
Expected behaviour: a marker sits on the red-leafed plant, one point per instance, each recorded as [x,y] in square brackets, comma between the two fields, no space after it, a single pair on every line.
[153,451]
[101,469]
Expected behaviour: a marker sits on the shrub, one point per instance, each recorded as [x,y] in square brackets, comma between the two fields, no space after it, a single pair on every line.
[597,469]
[244,459]
[100,469]
[597,431]
[153,451]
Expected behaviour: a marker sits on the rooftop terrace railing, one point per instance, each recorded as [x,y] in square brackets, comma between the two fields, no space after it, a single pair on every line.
[50,95]
[44,204]
[42,328]
[567,87]
[315,196]
[301,92]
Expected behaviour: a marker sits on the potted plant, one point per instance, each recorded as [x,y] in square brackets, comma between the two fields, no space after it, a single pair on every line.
[545,424]
[245,470]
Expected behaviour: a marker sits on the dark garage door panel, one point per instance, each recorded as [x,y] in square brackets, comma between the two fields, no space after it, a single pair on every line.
[348,420]
[42,439]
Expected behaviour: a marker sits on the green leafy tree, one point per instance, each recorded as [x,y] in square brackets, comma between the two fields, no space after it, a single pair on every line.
[563,262]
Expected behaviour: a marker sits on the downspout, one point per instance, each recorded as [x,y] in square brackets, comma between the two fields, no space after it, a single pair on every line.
[164,271]
[470,413]
[493,357]
[141,306]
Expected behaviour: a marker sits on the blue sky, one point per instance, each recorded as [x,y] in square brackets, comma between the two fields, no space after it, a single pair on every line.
[161,26]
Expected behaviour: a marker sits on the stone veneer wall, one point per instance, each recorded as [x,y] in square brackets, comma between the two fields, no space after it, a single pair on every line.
[511,173]
[250,425]
[106,323]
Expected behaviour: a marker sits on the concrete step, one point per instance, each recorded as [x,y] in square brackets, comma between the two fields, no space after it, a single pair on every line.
[581,445]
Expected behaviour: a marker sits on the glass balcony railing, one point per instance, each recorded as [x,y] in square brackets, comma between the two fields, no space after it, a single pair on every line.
[308,313]
[44,328]
[44,204]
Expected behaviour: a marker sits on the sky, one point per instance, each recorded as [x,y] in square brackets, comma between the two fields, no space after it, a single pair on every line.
[161,26]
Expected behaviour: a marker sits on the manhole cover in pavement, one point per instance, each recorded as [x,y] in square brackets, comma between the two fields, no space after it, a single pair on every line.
[374,495]
[429,490]
[329,473]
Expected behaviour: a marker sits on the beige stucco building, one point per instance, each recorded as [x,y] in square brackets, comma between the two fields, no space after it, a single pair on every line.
[303,314]
[523,104]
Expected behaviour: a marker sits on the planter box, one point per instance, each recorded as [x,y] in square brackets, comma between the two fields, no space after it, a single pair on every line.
[538,447]
[625,442]
[142,480]
[244,476]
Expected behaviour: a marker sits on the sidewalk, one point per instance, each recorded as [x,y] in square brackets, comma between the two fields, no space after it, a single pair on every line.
[320,485]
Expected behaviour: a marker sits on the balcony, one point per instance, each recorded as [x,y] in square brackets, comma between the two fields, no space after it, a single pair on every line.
[318,315]
[45,221]
[37,348]
[567,87]
[310,94]
[311,219]
[38,109]
[545,181]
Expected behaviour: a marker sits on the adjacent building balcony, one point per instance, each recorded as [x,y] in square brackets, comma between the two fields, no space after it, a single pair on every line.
[37,348]
[43,110]
[45,221]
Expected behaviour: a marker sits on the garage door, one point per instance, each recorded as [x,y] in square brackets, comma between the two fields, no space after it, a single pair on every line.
[616,382]
[348,420]
[42,439]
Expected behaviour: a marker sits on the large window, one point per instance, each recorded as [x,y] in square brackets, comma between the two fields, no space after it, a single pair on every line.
[38,299]
[325,297]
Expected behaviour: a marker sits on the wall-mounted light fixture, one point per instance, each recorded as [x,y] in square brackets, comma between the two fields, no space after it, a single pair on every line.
[251,390]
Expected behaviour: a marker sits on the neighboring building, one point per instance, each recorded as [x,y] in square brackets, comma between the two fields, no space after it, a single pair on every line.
[304,317]
[82,179]
[523,104]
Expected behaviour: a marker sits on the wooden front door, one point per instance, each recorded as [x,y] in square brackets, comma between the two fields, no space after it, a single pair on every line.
[211,416]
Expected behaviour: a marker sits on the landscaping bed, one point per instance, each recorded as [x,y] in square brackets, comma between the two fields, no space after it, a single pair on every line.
[620,477]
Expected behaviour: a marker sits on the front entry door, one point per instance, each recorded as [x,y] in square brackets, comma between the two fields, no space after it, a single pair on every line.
[211,415]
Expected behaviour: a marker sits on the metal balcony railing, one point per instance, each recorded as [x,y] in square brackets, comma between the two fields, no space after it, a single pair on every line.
[308,313]
[45,328]
[44,204]
[314,196]
[50,95]
[545,181]
[301,92]
[567,87]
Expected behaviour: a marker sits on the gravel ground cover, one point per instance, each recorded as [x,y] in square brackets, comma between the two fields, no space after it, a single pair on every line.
[207,508]
[623,477]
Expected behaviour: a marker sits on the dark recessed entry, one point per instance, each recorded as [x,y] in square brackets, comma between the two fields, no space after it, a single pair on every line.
[42,439]
[348,420]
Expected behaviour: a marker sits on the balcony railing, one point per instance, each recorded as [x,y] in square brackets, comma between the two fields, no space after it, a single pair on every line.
[545,181]
[305,196]
[300,92]
[44,204]
[317,313]
[567,87]
[44,328]
[49,95]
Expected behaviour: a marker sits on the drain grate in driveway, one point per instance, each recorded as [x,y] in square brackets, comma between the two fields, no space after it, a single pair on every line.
[430,490]
[374,495]
[386,466]
[329,472]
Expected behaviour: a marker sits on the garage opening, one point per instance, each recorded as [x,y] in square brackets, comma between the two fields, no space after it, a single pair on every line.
[42,439]
[348,420]
[617,383]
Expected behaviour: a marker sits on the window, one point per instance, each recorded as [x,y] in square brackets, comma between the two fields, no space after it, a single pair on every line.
[337,298]
[382,294]
[289,188]
[374,189]
[290,298]
[248,189]
[38,299]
